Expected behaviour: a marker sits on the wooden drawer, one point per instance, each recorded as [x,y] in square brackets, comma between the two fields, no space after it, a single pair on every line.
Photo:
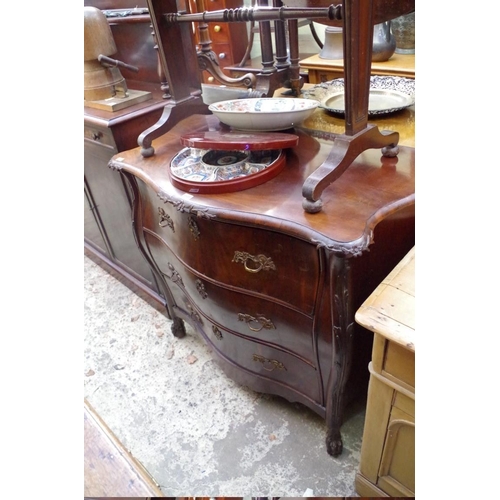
[222,4]
[219,33]
[266,362]
[236,311]
[99,136]
[264,263]
[404,404]
[224,54]
[253,355]
[399,363]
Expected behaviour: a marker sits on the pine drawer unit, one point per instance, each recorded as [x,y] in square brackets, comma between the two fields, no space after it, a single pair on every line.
[387,465]
[270,288]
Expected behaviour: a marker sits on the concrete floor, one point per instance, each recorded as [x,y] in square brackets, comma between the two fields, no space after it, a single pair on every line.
[197,432]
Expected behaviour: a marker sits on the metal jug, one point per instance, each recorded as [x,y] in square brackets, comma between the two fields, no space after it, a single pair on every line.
[384,43]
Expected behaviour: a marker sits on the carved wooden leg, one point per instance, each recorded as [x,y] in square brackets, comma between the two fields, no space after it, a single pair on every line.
[178,328]
[343,324]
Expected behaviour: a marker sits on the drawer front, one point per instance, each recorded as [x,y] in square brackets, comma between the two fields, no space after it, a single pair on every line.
[223,4]
[405,404]
[219,33]
[259,358]
[268,362]
[99,136]
[249,316]
[224,54]
[266,263]
[399,363]
[243,314]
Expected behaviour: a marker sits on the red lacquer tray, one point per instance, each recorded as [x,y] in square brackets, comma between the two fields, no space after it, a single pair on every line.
[256,157]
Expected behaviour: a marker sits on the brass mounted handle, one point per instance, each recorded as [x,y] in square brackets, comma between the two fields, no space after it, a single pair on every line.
[269,364]
[262,262]
[264,322]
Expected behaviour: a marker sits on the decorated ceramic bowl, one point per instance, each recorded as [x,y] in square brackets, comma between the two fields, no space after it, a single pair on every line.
[264,114]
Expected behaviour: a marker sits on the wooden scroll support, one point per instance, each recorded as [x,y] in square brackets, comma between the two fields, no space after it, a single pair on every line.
[177,55]
[358,20]
[207,59]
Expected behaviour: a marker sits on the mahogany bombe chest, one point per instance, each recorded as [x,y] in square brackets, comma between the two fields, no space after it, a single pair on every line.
[271,288]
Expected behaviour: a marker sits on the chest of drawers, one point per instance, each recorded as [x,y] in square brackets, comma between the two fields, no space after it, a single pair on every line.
[269,287]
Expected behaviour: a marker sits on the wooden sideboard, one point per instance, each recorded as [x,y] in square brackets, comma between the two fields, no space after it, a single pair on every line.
[272,289]
[108,234]
[108,231]
[387,465]
[323,70]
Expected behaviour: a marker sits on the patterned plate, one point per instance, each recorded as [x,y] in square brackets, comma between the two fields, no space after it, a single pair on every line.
[388,94]
[201,165]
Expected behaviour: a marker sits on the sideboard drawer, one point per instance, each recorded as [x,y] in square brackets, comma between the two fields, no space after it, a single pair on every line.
[239,312]
[257,356]
[267,362]
[99,136]
[264,262]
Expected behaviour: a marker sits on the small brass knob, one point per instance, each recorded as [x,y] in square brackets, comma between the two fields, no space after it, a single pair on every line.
[217,28]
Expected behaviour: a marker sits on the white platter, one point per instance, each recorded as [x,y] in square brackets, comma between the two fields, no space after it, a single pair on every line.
[265,114]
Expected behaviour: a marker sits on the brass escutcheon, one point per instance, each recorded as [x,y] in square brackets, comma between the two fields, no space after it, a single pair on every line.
[201,289]
[194,314]
[216,332]
[165,219]
[193,228]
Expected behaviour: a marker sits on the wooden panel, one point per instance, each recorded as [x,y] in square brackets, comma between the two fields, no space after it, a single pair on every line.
[405,404]
[397,467]
[109,469]
[400,364]
[378,408]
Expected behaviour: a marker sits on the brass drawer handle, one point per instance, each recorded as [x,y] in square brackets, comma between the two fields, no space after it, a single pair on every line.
[269,364]
[262,262]
[264,322]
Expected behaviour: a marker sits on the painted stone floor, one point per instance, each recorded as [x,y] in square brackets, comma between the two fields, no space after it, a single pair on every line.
[197,432]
